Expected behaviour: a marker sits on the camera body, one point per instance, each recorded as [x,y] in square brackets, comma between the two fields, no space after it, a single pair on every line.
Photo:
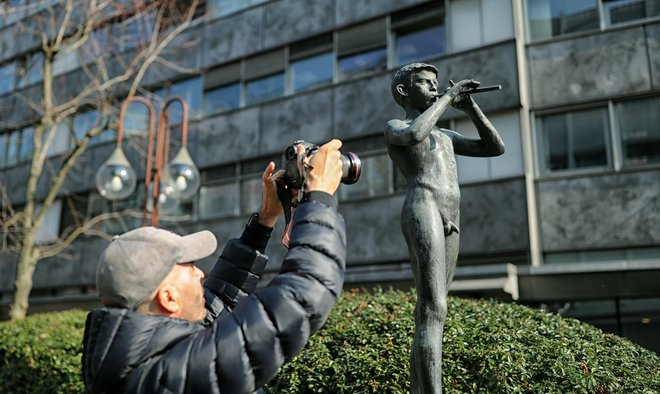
[351,165]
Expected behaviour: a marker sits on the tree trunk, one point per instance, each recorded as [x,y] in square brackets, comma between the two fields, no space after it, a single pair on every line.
[27,262]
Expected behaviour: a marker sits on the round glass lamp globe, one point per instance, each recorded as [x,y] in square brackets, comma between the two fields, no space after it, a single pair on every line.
[185,175]
[167,197]
[115,179]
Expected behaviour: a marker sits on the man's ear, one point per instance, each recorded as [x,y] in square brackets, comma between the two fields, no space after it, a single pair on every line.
[169,299]
[401,89]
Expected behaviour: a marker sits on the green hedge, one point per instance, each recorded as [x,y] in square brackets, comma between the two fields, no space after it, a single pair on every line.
[489,347]
[41,354]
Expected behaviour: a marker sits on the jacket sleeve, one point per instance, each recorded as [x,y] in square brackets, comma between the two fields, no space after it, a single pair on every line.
[237,272]
[271,326]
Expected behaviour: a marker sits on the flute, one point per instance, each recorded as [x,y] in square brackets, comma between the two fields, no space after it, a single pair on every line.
[479,89]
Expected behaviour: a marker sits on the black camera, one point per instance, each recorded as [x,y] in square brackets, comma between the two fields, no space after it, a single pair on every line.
[351,165]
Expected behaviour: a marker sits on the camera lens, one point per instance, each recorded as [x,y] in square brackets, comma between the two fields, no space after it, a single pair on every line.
[351,168]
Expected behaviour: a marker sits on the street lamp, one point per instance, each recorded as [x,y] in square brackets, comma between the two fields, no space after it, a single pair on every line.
[115,179]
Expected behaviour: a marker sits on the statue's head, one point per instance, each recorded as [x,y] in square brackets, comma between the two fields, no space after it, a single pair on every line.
[404,77]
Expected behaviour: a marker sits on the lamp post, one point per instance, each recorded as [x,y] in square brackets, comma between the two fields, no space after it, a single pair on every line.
[115,179]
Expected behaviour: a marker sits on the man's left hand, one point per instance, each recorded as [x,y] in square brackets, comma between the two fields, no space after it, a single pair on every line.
[271,207]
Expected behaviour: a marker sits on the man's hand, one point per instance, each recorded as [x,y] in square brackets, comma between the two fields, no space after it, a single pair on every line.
[323,170]
[460,100]
[271,207]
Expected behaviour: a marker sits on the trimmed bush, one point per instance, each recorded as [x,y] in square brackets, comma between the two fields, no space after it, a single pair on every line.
[41,354]
[489,347]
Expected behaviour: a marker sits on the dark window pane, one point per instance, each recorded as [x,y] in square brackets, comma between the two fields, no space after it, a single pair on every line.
[83,123]
[363,62]
[549,18]
[27,144]
[3,149]
[312,71]
[12,148]
[575,139]
[217,200]
[620,11]
[265,88]
[421,44]
[191,91]
[555,142]
[639,124]
[223,98]
[374,179]
[250,194]
[217,8]
[7,77]
[588,138]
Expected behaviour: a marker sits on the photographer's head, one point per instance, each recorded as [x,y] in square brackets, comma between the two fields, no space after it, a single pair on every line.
[152,270]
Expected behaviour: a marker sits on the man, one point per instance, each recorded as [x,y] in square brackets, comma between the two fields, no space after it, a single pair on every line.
[161,331]
[424,154]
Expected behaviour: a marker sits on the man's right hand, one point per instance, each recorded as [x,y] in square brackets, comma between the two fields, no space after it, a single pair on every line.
[323,170]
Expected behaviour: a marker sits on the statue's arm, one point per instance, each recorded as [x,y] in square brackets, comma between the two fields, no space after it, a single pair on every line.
[489,142]
[399,132]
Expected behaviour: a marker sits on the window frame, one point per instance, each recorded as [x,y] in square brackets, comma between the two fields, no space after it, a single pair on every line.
[542,169]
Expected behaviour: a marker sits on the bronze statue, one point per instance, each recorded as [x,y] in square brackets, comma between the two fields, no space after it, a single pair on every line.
[424,153]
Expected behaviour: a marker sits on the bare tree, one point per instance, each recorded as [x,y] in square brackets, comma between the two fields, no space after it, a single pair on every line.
[110,74]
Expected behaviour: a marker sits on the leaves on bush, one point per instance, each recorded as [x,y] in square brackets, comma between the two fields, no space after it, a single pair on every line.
[489,347]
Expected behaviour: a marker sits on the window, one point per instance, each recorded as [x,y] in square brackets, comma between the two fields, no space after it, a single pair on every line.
[639,127]
[222,88]
[475,169]
[223,98]
[362,49]
[218,195]
[3,149]
[136,119]
[478,22]
[375,178]
[31,70]
[250,183]
[191,91]
[7,77]
[550,18]
[312,63]
[420,33]
[311,72]
[264,75]
[16,12]
[216,8]
[83,123]
[621,11]
[61,140]
[264,89]
[12,148]
[65,60]
[49,231]
[574,140]
[26,146]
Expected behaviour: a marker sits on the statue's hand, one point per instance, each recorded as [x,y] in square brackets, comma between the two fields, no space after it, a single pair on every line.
[460,100]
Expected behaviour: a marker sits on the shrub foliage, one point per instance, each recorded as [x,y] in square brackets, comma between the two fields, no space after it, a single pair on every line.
[489,347]
[41,354]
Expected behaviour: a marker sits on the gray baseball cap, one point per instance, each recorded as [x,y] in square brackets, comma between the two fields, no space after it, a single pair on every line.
[135,263]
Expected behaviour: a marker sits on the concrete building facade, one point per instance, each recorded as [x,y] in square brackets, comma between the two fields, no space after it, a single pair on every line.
[566,220]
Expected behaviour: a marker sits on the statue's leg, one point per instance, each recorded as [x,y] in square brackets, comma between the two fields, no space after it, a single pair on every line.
[422,226]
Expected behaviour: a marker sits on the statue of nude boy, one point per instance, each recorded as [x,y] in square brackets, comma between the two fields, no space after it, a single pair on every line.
[424,153]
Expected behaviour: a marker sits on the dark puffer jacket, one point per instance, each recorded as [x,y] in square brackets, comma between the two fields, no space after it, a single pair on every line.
[248,336]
